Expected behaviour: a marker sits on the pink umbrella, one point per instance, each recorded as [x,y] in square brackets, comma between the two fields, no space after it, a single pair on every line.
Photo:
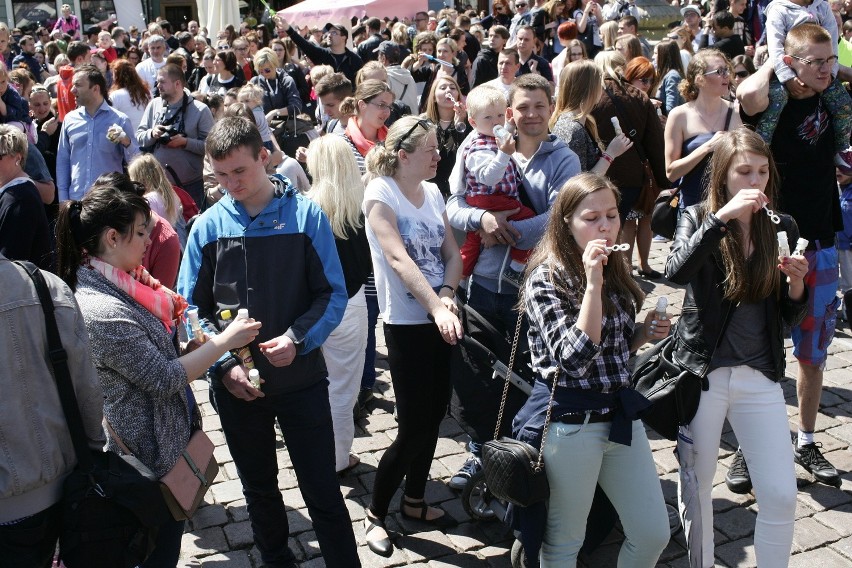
[320,12]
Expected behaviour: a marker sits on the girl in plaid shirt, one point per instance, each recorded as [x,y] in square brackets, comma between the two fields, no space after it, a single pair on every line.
[581,303]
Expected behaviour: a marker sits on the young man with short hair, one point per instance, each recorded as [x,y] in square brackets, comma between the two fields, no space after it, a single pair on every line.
[530,62]
[485,64]
[341,58]
[508,64]
[233,260]
[629,25]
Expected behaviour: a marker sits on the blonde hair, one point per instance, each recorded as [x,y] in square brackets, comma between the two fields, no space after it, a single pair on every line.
[609,33]
[383,159]
[320,71]
[451,43]
[366,91]
[266,55]
[580,88]
[337,186]
[145,169]
[250,93]
[12,141]
[366,72]
[482,97]
[688,87]
[611,64]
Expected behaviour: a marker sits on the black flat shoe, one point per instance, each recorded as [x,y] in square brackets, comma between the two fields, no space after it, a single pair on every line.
[443,522]
[380,546]
[649,274]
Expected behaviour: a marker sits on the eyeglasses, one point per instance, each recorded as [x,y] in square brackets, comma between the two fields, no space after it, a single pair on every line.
[721,72]
[818,63]
[381,106]
[333,33]
[426,124]
[742,74]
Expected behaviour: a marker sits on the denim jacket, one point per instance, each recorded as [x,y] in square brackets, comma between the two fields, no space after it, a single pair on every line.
[34,441]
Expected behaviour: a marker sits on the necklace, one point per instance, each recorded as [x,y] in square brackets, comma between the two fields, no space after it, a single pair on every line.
[709,128]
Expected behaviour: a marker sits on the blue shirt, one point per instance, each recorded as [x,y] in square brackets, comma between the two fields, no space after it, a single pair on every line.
[85,152]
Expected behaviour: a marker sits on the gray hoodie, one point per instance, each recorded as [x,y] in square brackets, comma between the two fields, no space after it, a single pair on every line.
[403,86]
[543,176]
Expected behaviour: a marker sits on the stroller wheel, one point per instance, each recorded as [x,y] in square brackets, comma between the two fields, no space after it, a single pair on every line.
[476,499]
[674,520]
[516,556]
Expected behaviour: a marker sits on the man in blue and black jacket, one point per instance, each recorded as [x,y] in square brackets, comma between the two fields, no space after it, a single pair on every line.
[266,248]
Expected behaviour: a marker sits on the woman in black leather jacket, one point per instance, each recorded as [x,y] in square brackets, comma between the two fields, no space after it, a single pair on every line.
[739,289]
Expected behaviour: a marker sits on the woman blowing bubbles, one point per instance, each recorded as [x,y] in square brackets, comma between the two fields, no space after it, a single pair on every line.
[739,289]
[581,303]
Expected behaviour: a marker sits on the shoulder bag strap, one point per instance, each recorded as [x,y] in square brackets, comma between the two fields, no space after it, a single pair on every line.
[539,464]
[728,118]
[59,361]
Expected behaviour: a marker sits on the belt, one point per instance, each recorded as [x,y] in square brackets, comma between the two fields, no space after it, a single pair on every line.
[820,244]
[581,418]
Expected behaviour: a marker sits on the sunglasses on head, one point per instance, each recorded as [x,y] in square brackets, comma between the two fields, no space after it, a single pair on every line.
[426,124]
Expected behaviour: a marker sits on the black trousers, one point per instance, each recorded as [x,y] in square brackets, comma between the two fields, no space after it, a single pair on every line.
[419,361]
[31,542]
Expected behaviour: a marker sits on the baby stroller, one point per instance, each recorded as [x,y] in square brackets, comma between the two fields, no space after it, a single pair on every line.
[480,347]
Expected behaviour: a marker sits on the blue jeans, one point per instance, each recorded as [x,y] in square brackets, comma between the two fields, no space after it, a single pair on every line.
[305,420]
[368,379]
[31,542]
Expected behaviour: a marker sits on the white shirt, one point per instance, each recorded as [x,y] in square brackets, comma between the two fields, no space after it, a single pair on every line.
[121,101]
[422,230]
[148,71]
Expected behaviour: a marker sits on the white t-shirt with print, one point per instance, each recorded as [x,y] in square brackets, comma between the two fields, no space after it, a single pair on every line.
[422,231]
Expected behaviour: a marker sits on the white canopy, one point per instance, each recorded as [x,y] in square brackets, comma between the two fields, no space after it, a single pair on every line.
[216,14]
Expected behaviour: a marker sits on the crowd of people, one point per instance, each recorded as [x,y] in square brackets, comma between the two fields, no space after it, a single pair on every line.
[149,172]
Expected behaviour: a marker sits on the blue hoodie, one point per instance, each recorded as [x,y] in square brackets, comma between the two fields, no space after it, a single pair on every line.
[550,167]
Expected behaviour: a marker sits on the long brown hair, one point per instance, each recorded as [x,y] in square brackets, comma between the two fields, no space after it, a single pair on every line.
[559,247]
[580,88]
[124,76]
[755,278]
[432,102]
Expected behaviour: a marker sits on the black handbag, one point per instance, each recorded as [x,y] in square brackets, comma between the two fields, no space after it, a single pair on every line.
[112,505]
[674,392]
[514,470]
[291,133]
[664,215]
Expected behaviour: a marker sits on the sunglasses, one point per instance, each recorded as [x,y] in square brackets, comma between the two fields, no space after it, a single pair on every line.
[742,74]
[520,5]
[426,124]
[266,70]
[645,80]
[721,72]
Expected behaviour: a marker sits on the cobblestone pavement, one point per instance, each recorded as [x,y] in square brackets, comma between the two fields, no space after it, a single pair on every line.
[220,534]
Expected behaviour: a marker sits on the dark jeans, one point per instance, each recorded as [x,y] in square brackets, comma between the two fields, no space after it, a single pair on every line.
[368,379]
[419,361]
[305,420]
[31,542]
[476,394]
[167,550]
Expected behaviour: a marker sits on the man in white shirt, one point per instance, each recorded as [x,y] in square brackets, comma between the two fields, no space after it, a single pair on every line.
[148,69]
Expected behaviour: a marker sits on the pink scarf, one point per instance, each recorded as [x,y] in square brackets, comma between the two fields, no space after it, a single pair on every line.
[166,305]
[361,143]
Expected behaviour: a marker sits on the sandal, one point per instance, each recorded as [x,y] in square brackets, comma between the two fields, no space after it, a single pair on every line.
[649,274]
[442,522]
[381,546]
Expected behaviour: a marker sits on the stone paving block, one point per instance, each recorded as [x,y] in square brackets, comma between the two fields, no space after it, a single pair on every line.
[293,498]
[821,497]
[227,491]
[839,520]
[822,558]
[209,516]
[738,554]
[217,437]
[459,560]
[371,560]
[287,479]
[809,534]
[308,542]
[239,535]
[299,521]
[496,556]
[466,537]
[844,547]
[735,524]
[234,559]
[317,562]
[426,546]
[230,471]
[237,510]
[203,543]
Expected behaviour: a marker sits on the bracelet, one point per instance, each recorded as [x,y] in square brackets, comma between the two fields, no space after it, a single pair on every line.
[448,287]
[607,157]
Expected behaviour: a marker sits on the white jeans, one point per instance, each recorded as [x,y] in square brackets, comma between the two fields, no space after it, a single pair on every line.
[754,406]
[579,456]
[344,358]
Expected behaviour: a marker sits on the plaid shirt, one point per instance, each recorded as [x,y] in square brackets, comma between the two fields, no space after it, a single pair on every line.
[508,184]
[559,349]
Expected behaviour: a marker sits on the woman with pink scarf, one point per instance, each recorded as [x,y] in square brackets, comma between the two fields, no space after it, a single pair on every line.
[131,319]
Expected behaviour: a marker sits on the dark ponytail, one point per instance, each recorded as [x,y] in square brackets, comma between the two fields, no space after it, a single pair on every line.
[81,224]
